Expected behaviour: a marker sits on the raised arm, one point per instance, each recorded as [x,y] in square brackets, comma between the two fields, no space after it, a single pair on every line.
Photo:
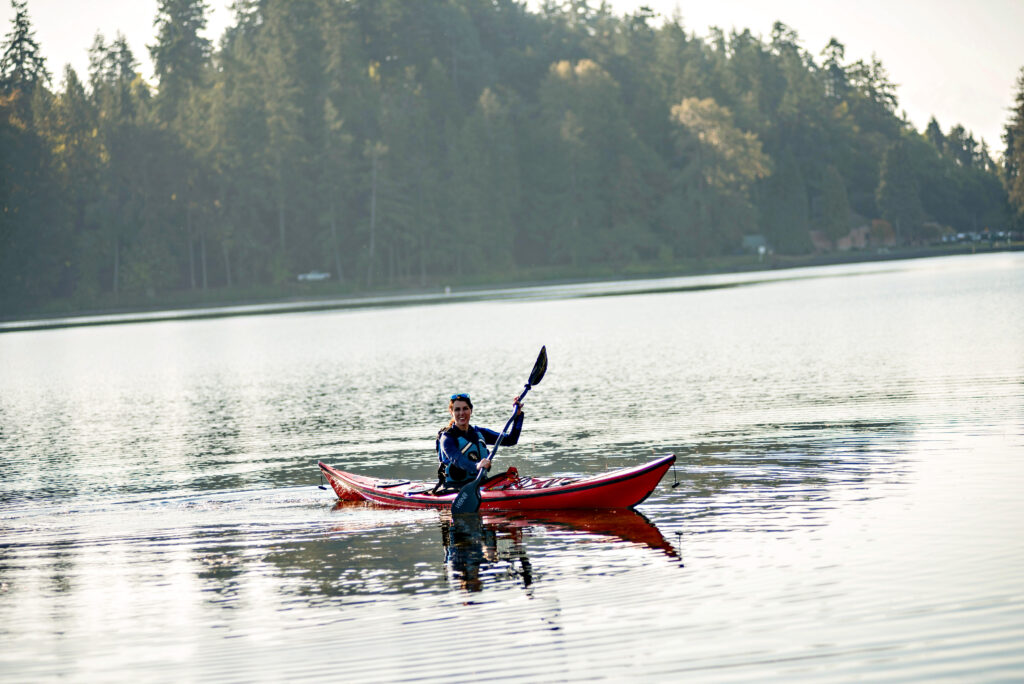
[511,439]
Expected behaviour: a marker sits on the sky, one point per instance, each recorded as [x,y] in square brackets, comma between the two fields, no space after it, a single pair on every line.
[950,59]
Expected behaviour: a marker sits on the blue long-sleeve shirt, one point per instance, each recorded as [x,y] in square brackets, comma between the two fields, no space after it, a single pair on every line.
[461,450]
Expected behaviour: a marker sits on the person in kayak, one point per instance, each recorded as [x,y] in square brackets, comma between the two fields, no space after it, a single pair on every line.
[462,448]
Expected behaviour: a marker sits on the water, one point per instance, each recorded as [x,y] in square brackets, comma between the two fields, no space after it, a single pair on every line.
[850,457]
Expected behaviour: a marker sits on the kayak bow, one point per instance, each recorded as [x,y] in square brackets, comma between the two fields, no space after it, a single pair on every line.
[623,488]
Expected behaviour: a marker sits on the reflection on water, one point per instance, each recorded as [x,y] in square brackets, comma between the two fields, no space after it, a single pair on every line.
[491,547]
[374,550]
[848,503]
[472,547]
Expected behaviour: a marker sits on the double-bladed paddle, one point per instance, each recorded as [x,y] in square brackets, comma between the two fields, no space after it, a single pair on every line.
[468,498]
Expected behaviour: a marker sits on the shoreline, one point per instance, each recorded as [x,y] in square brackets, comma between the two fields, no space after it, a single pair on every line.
[569,287]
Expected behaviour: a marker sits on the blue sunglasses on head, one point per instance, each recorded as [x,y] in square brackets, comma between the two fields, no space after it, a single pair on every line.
[461,395]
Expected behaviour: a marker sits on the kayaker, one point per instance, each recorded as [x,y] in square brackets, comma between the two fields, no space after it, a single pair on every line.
[462,448]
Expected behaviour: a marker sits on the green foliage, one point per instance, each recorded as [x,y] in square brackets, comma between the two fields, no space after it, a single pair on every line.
[399,144]
[717,165]
[1014,155]
[180,53]
[898,196]
[835,205]
[22,66]
[785,209]
[958,183]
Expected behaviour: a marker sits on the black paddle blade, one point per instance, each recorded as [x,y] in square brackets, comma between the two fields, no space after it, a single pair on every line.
[468,498]
[540,367]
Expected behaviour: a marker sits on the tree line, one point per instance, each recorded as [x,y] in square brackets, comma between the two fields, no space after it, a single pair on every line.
[404,143]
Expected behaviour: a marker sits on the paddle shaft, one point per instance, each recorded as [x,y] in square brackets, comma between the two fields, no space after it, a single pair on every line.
[468,498]
[508,423]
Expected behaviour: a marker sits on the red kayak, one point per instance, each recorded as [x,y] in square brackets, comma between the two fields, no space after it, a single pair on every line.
[622,488]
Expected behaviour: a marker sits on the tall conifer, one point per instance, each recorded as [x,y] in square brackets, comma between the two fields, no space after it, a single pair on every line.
[22,65]
[1013,157]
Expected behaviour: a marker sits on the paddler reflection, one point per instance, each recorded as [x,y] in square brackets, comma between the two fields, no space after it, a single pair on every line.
[471,545]
[481,549]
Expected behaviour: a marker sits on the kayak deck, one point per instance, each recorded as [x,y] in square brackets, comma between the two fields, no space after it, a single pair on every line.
[622,488]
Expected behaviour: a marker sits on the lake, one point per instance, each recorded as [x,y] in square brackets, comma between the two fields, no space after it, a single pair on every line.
[849,501]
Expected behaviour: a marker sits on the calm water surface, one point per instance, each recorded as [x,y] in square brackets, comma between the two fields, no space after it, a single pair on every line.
[851,447]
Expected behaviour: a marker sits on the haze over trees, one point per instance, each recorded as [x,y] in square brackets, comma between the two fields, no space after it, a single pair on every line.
[397,143]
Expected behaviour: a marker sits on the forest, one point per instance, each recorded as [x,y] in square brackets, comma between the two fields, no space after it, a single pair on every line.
[402,144]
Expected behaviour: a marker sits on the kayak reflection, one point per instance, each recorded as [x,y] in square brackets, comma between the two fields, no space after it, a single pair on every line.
[492,545]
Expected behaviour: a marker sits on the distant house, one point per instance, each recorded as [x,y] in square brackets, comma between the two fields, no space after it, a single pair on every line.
[314,275]
[857,238]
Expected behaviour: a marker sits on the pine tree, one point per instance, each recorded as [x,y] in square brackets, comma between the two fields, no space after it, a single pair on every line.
[897,195]
[835,75]
[835,205]
[180,53]
[487,174]
[934,134]
[238,133]
[117,210]
[22,66]
[786,208]
[77,160]
[1013,158]
[367,137]
[281,93]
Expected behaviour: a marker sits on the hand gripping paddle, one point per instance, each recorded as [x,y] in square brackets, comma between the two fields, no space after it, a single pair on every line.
[468,498]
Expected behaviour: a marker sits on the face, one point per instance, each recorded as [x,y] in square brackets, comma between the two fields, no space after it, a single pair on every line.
[461,411]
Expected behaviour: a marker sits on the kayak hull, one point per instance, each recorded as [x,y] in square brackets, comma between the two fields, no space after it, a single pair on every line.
[623,488]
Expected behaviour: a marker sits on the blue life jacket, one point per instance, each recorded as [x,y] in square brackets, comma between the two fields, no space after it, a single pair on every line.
[460,468]
[457,465]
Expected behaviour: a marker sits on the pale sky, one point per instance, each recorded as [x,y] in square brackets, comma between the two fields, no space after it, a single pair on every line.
[952,59]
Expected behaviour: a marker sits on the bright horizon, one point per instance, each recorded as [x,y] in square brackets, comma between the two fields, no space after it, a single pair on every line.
[955,62]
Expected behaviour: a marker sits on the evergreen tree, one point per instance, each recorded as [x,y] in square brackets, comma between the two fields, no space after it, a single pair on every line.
[583,127]
[836,85]
[238,133]
[898,196]
[407,183]
[933,132]
[32,240]
[960,146]
[119,96]
[180,53]
[487,175]
[22,66]
[78,163]
[835,206]
[367,137]
[282,91]
[937,177]
[873,96]
[716,164]
[180,56]
[785,211]
[1013,157]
